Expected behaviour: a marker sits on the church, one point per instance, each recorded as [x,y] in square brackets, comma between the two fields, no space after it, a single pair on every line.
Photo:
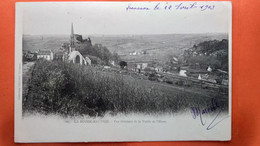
[75,56]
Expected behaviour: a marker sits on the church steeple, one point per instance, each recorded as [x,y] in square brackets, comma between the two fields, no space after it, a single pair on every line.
[72,37]
[72,31]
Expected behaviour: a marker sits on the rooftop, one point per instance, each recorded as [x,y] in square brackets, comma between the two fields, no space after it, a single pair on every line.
[44,52]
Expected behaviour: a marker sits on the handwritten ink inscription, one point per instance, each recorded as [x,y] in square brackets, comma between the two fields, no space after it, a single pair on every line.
[197,112]
[167,6]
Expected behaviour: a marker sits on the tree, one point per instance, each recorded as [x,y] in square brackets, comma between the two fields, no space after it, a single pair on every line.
[97,50]
[123,64]
[115,57]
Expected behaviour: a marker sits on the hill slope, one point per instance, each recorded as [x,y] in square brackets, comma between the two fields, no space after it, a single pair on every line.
[208,53]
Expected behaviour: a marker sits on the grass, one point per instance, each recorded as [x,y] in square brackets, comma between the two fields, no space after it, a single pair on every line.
[70,89]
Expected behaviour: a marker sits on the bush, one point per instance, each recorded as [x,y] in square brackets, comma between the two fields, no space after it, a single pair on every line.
[152,77]
[179,82]
[169,82]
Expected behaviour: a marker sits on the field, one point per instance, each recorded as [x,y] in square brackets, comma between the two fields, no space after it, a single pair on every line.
[70,90]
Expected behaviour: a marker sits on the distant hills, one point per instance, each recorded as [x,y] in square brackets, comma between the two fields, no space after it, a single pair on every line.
[158,48]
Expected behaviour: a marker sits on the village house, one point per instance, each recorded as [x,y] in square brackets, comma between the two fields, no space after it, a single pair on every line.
[46,55]
[137,53]
[112,62]
[141,65]
[224,75]
[207,77]
[137,67]
[29,56]
[183,73]
[59,56]
[159,69]
[209,69]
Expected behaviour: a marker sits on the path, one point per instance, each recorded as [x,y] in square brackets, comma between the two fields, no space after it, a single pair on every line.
[26,75]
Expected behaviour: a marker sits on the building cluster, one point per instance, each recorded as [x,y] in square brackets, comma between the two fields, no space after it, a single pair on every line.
[47,55]
[196,52]
[145,67]
[137,53]
[208,75]
[39,54]
[68,52]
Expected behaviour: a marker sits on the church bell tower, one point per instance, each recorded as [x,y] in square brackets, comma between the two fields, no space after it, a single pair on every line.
[72,39]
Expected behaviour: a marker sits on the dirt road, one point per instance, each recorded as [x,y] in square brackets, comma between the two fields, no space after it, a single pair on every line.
[26,75]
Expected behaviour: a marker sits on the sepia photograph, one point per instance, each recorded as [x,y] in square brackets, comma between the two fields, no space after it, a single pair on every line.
[130,64]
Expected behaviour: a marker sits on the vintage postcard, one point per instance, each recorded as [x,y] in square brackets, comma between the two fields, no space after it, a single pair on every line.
[122,71]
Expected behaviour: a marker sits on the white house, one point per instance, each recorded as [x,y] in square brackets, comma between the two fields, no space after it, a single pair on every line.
[159,69]
[200,78]
[112,62]
[209,69]
[47,55]
[141,65]
[183,73]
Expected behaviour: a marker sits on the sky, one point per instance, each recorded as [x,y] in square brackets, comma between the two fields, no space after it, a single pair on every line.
[109,18]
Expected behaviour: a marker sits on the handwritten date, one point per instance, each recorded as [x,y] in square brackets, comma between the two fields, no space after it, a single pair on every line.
[167,6]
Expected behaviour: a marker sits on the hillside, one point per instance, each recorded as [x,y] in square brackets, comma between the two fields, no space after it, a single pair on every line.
[71,90]
[43,42]
[212,53]
[158,48]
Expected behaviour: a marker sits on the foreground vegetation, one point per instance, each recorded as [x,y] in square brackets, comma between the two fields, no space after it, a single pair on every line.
[70,90]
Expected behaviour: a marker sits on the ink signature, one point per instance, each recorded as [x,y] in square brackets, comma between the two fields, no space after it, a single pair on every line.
[197,112]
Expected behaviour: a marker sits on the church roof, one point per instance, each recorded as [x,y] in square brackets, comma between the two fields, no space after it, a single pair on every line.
[59,53]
